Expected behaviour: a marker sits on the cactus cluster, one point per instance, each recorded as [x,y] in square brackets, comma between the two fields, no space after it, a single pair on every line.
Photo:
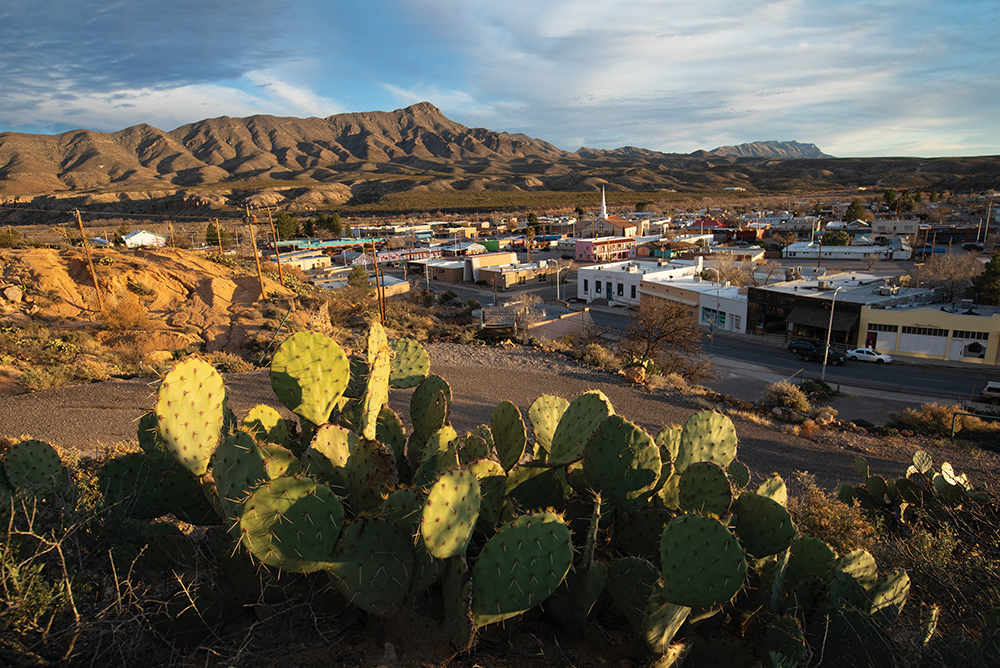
[462,531]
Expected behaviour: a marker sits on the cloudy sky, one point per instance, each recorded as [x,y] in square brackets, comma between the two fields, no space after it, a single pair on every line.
[857,78]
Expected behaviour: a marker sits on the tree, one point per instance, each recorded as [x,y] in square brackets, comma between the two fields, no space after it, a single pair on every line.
[286,225]
[836,238]
[358,278]
[212,234]
[532,220]
[578,211]
[987,284]
[666,332]
[871,259]
[953,273]
[790,238]
[856,211]
[331,224]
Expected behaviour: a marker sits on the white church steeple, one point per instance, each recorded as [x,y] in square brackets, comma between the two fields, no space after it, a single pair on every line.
[604,205]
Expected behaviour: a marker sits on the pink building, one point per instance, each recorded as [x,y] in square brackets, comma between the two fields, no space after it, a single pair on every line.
[605,249]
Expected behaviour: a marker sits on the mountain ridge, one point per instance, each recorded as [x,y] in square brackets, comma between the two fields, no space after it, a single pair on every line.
[772,149]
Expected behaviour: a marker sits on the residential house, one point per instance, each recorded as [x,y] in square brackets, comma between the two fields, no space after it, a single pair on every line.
[605,249]
[140,238]
[620,282]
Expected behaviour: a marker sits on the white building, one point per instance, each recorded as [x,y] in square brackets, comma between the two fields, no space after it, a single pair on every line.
[619,282]
[897,249]
[717,305]
[143,238]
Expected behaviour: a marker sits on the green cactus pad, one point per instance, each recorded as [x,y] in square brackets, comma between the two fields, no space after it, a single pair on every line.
[703,563]
[390,431]
[309,374]
[640,535]
[430,406]
[577,423]
[377,391]
[739,474]
[809,556]
[456,589]
[861,468]
[372,564]
[784,636]
[492,488]
[509,434]
[190,412]
[34,468]
[403,508]
[706,437]
[520,567]
[669,441]
[328,454]
[704,488]
[774,488]
[362,471]
[668,495]
[661,620]
[238,466]
[443,445]
[266,424]
[292,524]
[534,486]
[410,364]
[860,565]
[475,447]
[449,513]
[132,480]
[622,463]
[544,415]
[149,438]
[922,462]
[631,581]
[888,597]
[763,525]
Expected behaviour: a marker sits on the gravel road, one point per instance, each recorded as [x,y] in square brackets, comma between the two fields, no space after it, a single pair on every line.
[93,416]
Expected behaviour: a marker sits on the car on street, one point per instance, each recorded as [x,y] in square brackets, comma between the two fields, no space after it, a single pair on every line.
[973,246]
[811,351]
[567,256]
[868,355]
[991,393]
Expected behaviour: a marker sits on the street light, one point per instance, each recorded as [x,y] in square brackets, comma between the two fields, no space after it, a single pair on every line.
[558,270]
[829,329]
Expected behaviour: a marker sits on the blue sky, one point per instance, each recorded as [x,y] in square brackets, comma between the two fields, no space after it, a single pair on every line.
[865,78]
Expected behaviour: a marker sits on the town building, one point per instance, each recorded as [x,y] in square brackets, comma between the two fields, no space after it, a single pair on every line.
[605,249]
[896,249]
[140,238]
[620,282]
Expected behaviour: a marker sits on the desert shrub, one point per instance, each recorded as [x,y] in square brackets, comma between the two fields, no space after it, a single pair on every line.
[43,378]
[123,312]
[677,382]
[785,395]
[806,428]
[447,297]
[817,390]
[599,356]
[930,419]
[819,514]
[471,304]
[229,363]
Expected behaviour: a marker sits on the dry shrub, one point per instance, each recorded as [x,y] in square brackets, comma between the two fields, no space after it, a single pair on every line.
[806,428]
[677,382]
[785,395]
[931,419]
[819,514]
[124,311]
[599,356]
[229,363]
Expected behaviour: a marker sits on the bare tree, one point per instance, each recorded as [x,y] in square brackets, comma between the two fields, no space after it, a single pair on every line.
[668,333]
[725,268]
[871,259]
[953,273]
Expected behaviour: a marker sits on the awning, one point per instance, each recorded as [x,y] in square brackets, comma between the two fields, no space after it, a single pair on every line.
[820,318]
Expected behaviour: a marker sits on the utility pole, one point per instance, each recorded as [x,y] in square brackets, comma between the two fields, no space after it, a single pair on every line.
[170,226]
[256,257]
[218,234]
[90,261]
[277,256]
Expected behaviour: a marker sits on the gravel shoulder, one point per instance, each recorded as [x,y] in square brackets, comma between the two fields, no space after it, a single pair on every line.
[92,417]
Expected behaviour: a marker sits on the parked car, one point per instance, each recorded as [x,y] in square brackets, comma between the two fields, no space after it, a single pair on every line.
[991,393]
[973,246]
[812,351]
[868,355]
[566,256]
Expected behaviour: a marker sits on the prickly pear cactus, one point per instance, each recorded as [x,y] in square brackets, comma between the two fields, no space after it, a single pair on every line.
[509,434]
[544,416]
[132,480]
[372,564]
[410,364]
[704,488]
[706,437]
[430,406]
[449,514]
[763,525]
[520,566]
[577,423]
[309,374]
[703,563]
[34,468]
[190,410]
[238,467]
[292,524]
[622,463]
[377,389]
[266,424]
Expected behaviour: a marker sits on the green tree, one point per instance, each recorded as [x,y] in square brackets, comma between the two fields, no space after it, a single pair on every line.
[10,238]
[532,220]
[332,224]
[856,211]
[987,284]
[889,196]
[836,238]
[817,208]
[358,278]
[212,236]
[286,225]
[578,211]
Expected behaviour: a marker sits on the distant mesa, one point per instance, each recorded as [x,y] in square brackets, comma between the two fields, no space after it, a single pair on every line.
[772,149]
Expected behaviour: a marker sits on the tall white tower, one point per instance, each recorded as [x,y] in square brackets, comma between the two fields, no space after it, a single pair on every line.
[604,205]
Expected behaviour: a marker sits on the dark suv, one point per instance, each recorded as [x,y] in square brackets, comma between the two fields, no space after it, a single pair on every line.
[812,351]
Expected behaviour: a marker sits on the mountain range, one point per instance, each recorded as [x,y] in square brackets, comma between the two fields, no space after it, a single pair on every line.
[362,157]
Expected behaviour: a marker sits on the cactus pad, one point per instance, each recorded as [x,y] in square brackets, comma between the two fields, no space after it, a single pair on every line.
[660,622]
[430,406]
[372,563]
[492,488]
[377,390]
[774,488]
[238,466]
[185,497]
[328,454]
[449,513]
[509,434]
[640,536]
[534,486]
[292,524]
[34,468]
[706,437]
[132,480]
[410,364]
[622,463]
[266,424]
[190,411]
[309,374]
[544,415]
[763,525]
[402,507]
[703,564]
[577,423]
[631,581]
[704,488]
[809,556]
[520,567]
